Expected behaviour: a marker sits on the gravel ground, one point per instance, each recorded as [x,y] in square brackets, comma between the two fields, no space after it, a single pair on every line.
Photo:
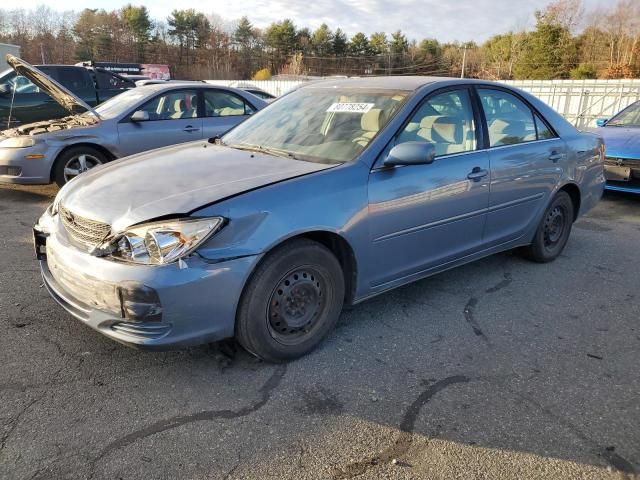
[499,369]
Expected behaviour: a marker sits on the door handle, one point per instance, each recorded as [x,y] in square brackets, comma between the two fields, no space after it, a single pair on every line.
[190,129]
[477,174]
[555,156]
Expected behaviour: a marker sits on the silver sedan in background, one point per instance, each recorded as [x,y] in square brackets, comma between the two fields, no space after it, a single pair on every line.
[137,120]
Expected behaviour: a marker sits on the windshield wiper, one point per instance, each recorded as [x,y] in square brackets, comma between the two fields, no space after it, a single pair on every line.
[260,149]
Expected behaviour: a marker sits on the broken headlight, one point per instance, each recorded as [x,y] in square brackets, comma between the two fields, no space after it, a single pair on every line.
[160,243]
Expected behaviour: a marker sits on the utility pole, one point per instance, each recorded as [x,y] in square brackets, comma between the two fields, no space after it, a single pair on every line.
[464,61]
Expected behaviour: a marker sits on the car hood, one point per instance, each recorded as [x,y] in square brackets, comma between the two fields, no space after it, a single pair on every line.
[60,94]
[173,181]
[620,141]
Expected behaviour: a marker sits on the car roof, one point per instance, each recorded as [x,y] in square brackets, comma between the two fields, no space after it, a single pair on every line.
[408,82]
[174,84]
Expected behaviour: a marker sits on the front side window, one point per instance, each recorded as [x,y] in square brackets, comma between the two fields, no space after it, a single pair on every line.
[224,104]
[509,120]
[176,105]
[446,120]
[319,124]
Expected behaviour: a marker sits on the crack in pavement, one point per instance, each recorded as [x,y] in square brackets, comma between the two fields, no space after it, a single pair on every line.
[16,420]
[469,308]
[174,422]
[407,425]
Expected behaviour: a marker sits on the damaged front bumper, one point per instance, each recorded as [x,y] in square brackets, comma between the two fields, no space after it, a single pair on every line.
[152,307]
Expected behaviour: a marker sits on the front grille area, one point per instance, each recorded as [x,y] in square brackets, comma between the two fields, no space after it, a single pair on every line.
[87,231]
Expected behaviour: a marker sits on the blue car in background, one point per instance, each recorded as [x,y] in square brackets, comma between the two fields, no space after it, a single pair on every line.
[622,140]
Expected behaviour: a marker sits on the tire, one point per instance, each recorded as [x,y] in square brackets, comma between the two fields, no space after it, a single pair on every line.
[71,160]
[553,232]
[291,302]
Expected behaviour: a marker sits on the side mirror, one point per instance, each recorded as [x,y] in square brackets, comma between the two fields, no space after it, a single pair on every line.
[5,89]
[601,122]
[411,153]
[140,116]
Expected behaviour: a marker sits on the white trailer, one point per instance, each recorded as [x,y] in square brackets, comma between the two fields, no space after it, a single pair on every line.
[5,48]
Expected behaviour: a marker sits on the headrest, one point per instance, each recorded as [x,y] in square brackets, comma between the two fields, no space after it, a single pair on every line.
[180,105]
[448,128]
[370,121]
[427,122]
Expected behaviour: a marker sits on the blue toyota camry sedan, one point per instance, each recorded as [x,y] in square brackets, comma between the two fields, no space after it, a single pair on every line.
[337,192]
[621,135]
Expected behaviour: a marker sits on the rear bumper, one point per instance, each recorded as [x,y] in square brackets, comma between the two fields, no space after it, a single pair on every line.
[178,307]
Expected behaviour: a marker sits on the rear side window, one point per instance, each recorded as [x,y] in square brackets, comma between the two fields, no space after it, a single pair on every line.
[544,132]
[509,120]
[224,104]
[107,80]
[73,78]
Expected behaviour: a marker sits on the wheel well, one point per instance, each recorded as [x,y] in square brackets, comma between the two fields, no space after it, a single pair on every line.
[574,193]
[110,156]
[343,252]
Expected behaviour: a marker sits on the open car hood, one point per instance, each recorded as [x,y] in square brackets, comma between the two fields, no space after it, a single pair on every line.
[60,94]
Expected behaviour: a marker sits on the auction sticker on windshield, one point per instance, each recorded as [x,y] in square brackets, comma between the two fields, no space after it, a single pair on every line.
[350,107]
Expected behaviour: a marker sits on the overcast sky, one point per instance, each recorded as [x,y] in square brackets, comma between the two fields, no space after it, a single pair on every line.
[446,20]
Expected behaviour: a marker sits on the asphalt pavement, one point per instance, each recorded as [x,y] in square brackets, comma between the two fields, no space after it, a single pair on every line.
[500,369]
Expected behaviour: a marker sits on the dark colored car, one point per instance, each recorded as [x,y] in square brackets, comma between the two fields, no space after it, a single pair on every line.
[31,104]
[335,193]
[622,139]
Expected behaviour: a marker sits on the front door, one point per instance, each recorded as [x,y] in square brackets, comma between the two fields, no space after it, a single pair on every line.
[173,119]
[425,216]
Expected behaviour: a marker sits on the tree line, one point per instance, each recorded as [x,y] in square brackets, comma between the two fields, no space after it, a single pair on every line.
[566,42]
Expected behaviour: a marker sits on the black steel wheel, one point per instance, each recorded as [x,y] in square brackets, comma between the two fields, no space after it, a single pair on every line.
[554,230]
[291,302]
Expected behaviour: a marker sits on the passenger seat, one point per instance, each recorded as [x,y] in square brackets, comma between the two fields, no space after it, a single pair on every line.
[370,123]
[446,133]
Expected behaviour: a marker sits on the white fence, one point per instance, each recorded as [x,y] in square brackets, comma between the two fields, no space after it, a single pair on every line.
[580,101]
[583,101]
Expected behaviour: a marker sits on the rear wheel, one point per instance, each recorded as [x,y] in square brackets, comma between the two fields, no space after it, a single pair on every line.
[554,230]
[75,161]
[291,302]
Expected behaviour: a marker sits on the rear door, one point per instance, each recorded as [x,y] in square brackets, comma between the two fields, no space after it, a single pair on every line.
[525,155]
[423,216]
[223,110]
[173,119]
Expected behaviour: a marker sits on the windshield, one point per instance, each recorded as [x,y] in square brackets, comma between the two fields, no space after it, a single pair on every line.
[121,103]
[629,117]
[322,125]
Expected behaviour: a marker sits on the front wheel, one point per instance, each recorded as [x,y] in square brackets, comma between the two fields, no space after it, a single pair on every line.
[553,232]
[75,161]
[291,302]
